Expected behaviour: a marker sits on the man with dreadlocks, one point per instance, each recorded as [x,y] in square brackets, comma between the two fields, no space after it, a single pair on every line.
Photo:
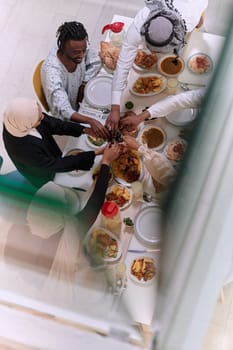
[65,71]
[160,26]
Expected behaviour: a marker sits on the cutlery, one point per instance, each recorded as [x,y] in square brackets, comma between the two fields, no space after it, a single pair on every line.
[185,86]
[147,197]
[144,250]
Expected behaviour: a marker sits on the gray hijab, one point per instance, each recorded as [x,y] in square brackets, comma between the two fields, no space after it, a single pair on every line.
[164,29]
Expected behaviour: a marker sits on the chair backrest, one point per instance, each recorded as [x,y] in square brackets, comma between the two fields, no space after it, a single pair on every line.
[37,84]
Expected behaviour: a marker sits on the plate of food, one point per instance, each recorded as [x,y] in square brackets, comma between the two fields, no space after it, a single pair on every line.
[200,63]
[95,142]
[121,195]
[171,65]
[175,149]
[74,152]
[128,167]
[148,85]
[153,137]
[144,60]
[103,244]
[109,55]
[98,91]
[143,270]
[96,171]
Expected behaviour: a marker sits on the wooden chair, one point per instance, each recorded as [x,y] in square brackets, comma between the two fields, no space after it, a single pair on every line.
[37,84]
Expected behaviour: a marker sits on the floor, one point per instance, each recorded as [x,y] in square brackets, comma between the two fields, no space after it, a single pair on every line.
[28,30]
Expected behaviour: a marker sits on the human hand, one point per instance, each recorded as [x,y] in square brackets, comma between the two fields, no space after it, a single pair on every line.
[131,142]
[111,152]
[99,150]
[113,121]
[130,122]
[98,129]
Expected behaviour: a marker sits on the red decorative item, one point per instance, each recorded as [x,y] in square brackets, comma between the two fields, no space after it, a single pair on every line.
[115,27]
[110,209]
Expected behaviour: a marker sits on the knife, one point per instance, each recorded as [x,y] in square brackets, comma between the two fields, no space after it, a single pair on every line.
[144,250]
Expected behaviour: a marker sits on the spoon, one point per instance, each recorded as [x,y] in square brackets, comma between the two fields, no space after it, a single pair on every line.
[149,198]
[184,86]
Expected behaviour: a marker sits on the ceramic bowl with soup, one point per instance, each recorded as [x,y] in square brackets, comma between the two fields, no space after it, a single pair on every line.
[171,65]
[153,137]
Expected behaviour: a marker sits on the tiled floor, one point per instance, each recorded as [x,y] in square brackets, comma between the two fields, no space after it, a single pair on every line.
[27,33]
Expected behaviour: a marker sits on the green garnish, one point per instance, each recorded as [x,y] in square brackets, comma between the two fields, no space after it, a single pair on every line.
[129,105]
[128,221]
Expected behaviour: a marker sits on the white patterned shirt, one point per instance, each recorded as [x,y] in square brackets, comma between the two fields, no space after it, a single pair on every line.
[61,87]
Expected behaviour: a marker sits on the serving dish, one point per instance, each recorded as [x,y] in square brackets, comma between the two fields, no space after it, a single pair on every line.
[200,63]
[144,60]
[148,85]
[74,152]
[148,226]
[153,137]
[98,91]
[128,168]
[182,117]
[103,244]
[171,65]
[121,195]
[142,270]
[175,149]
[95,142]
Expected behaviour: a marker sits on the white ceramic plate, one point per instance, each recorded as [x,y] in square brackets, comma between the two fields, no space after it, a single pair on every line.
[143,70]
[129,191]
[103,230]
[153,127]
[141,281]
[122,182]
[98,91]
[74,151]
[92,145]
[177,158]
[182,117]
[162,87]
[148,225]
[202,69]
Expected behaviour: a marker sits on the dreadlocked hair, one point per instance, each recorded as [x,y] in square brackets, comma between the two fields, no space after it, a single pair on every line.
[70,31]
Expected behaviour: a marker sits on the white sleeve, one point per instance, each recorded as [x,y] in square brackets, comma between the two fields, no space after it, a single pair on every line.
[93,64]
[125,61]
[189,99]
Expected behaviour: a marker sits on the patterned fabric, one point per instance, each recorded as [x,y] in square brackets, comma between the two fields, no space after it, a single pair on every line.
[61,87]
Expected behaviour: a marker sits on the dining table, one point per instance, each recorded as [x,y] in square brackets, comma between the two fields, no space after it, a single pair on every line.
[139,298]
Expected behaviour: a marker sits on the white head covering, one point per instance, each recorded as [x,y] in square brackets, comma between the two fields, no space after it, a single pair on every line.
[20,116]
[48,209]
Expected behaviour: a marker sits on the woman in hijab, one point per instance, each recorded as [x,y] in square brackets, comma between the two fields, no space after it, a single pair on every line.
[27,135]
[47,249]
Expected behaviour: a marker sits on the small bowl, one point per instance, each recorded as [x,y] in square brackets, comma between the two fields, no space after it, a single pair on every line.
[167,66]
[174,154]
[153,137]
[203,66]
